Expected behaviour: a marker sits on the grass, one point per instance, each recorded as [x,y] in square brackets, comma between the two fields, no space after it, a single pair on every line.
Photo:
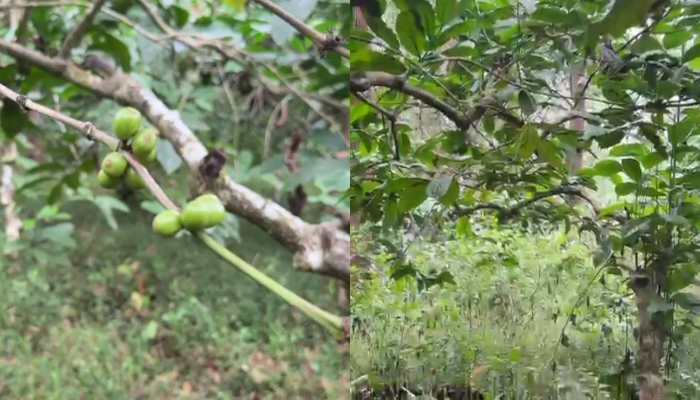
[125,314]
[500,327]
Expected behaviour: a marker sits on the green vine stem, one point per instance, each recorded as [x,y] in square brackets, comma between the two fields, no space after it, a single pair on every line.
[329,321]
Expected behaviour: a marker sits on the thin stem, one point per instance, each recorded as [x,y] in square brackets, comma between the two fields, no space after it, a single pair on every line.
[331,322]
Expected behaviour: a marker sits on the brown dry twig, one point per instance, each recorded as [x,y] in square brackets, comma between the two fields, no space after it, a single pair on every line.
[297,199]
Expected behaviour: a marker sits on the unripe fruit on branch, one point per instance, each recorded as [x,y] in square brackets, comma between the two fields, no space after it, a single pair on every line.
[114,164]
[217,212]
[144,143]
[167,223]
[148,159]
[203,212]
[126,123]
[107,181]
[134,180]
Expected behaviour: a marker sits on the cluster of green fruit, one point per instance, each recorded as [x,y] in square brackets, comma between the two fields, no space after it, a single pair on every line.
[142,144]
[203,212]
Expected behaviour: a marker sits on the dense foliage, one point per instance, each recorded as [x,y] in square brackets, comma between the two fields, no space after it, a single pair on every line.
[550,119]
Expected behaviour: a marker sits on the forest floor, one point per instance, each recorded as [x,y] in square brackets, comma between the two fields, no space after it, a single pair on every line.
[124,314]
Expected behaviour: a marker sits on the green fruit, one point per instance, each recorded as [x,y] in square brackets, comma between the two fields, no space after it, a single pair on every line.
[194,216]
[144,143]
[203,212]
[216,210]
[167,223]
[134,180]
[127,123]
[148,159]
[107,181]
[114,164]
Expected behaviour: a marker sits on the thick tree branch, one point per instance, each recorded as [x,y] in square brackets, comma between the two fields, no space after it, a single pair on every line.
[75,36]
[320,248]
[363,82]
[192,40]
[323,42]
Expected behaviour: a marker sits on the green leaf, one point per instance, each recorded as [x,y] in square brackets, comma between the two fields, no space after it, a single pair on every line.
[623,15]
[108,203]
[610,139]
[688,301]
[527,141]
[404,144]
[56,194]
[676,39]
[526,102]
[652,159]
[452,194]
[463,227]
[238,5]
[679,132]
[550,153]
[658,304]
[628,149]
[645,43]
[150,331]
[12,119]
[681,276]
[413,195]
[445,11]
[61,233]
[168,157]
[607,167]
[109,44]
[692,53]
[632,169]
[410,32]
[625,188]
[391,213]
[454,31]
[380,28]
[550,14]
[426,16]
[359,111]
[151,206]
[439,186]
[368,60]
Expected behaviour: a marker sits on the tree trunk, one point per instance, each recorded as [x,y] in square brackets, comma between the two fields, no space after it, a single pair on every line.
[650,341]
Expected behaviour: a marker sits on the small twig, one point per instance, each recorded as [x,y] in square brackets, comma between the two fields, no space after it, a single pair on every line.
[297,199]
[271,123]
[188,89]
[318,38]
[232,104]
[390,116]
[75,35]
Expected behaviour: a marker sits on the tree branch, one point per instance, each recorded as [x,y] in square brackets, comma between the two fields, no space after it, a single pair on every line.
[363,82]
[320,248]
[75,35]
[507,212]
[323,42]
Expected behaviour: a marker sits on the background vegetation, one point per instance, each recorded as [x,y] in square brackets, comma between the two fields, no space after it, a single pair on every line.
[526,175]
[95,305]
